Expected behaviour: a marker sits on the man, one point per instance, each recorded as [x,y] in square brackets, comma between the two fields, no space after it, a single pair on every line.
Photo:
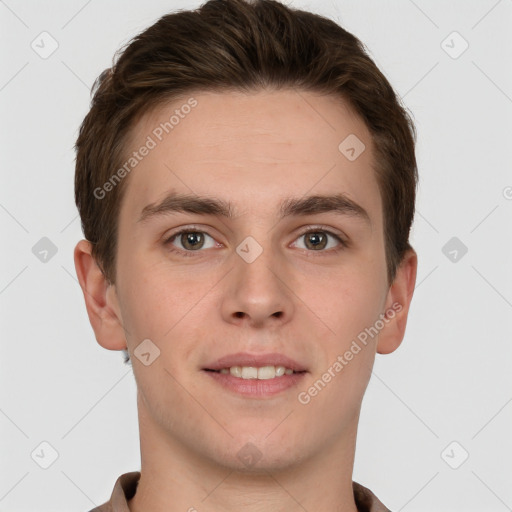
[246,181]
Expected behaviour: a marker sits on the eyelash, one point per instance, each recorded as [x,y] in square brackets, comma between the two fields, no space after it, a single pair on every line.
[319,229]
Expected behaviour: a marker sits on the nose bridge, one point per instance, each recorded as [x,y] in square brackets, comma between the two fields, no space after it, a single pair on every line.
[258,291]
[257,262]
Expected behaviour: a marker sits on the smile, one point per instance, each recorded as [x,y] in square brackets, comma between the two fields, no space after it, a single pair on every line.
[252,372]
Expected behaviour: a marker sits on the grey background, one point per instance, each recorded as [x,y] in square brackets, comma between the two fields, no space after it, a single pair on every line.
[449,381]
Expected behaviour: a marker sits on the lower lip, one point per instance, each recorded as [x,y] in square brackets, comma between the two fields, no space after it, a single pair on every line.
[256,388]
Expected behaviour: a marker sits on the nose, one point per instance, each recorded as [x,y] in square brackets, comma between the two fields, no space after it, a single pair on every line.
[257,292]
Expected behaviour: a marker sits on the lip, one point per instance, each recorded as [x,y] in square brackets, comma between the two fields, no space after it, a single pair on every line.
[258,360]
[255,388]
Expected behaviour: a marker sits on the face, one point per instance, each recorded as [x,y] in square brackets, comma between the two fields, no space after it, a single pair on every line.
[278,275]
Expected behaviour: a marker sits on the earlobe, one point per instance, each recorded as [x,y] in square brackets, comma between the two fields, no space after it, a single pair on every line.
[397,304]
[100,299]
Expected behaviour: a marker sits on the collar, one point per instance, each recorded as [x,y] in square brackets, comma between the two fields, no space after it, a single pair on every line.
[126,485]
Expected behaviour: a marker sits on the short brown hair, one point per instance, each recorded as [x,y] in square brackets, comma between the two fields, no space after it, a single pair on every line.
[240,45]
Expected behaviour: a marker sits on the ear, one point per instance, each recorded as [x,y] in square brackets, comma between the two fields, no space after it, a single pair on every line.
[398,301]
[100,299]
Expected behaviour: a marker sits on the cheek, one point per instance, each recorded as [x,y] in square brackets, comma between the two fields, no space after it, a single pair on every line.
[362,304]
[347,300]
[147,299]
[168,307]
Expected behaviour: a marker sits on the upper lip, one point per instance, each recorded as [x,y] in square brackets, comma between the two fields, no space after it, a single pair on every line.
[258,360]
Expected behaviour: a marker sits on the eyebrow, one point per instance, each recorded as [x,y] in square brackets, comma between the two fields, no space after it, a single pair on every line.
[174,202]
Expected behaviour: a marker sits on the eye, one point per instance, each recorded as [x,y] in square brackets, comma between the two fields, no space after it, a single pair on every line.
[190,240]
[318,240]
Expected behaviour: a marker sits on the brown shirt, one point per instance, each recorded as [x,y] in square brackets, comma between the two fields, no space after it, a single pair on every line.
[126,485]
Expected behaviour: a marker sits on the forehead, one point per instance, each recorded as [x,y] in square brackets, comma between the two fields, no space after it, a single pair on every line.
[252,149]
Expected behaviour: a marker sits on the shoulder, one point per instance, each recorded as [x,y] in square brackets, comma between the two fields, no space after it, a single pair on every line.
[366,501]
[124,489]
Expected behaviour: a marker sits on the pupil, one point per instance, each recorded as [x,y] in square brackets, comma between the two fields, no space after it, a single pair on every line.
[317,240]
[191,239]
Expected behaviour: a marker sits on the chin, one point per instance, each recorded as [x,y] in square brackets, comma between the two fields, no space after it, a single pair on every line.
[249,459]
[261,450]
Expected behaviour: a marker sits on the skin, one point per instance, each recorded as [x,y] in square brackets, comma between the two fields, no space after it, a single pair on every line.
[254,150]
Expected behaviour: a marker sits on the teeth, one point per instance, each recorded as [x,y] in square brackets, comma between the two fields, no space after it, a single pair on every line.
[263,373]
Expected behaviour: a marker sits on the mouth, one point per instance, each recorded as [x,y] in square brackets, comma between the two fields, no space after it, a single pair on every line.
[256,375]
[255,382]
[256,366]
[254,372]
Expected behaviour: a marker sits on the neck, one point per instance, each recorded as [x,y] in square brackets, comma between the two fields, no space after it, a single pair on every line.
[176,478]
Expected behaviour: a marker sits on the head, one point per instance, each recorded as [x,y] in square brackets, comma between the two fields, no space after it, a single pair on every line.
[247,104]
